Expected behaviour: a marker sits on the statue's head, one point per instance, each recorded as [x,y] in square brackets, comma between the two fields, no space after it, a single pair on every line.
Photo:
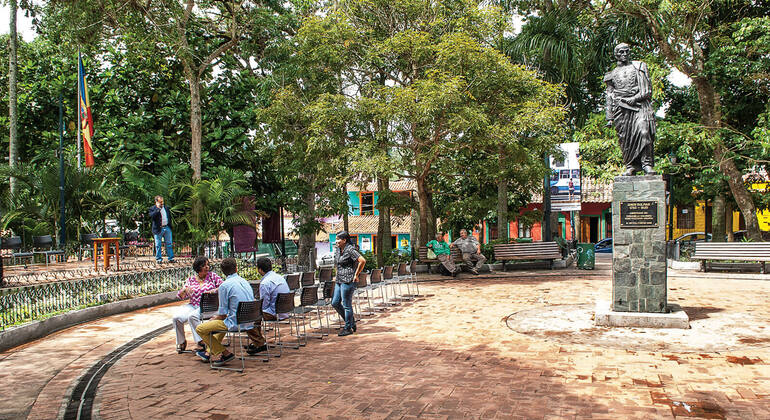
[623,52]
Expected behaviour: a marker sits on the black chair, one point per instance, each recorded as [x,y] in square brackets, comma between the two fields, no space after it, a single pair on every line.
[284,304]
[307,279]
[255,289]
[247,315]
[44,245]
[327,293]
[14,244]
[209,305]
[325,275]
[308,302]
[376,283]
[293,281]
[362,288]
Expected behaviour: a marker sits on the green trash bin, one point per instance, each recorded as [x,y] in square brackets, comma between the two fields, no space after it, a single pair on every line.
[586,257]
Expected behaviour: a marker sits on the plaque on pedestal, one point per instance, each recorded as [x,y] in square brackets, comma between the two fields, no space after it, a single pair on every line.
[639,282]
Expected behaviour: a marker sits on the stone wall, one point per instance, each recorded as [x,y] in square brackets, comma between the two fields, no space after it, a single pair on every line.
[639,254]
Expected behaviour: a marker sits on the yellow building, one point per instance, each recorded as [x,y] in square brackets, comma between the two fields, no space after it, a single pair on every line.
[698,218]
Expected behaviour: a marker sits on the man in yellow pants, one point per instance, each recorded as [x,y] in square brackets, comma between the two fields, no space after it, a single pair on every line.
[234,290]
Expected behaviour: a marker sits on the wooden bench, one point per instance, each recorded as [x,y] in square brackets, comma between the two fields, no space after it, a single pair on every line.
[528,251]
[422,256]
[731,251]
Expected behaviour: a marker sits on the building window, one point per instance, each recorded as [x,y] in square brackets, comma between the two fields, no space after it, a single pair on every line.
[685,218]
[367,203]
[524,231]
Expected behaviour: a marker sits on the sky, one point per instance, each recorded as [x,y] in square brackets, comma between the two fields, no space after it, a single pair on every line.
[24,28]
[23,24]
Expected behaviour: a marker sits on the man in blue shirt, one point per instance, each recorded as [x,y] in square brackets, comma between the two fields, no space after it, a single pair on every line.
[272,283]
[234,290]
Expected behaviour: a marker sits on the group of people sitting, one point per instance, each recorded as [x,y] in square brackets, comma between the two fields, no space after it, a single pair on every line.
[235,289]
[467,244]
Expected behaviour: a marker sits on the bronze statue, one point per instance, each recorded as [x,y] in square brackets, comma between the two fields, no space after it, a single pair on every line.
[629,109]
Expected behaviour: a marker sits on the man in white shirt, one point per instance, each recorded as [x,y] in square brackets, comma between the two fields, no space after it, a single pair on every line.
[271,285]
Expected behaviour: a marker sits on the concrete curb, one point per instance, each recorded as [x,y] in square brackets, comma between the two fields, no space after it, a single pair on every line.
[23,334]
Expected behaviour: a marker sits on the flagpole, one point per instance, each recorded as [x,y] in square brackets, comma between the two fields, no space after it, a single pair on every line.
[62,220]
[78,98]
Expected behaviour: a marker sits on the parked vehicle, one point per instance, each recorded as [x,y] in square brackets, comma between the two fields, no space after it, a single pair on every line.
[604,246]
[325,259]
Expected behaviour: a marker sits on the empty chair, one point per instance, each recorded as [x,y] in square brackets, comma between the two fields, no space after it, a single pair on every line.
[413,278]
[308,279]
[327,294]
[404,278]
[375,283]
[209,305]
[293,281]
[284,304]
[14,244]
[308,302]
[325,275]
[362,288]
[44,245]
[255,289]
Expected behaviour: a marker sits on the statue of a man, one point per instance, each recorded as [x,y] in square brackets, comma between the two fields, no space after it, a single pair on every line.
[629,109]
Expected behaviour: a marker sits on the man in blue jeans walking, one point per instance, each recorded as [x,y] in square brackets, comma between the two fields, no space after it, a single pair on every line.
[349,265]
[161,229]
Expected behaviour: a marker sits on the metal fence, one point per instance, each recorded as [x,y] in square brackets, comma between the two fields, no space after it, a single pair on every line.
[19,305]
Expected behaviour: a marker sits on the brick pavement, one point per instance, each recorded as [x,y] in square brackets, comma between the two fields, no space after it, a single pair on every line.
[448,355]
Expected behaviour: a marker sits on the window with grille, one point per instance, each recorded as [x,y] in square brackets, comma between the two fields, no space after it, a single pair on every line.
[685,218]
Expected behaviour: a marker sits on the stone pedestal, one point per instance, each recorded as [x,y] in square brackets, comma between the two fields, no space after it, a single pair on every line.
[639,244]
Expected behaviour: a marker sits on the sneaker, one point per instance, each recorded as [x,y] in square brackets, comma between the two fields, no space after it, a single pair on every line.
[203,356]
[252,349]
[344,332]
[355,327]
[172,261]
[223,359]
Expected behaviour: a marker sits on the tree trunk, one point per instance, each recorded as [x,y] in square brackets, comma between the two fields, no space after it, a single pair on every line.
[711,118]
[306,247]
[13,142]
[718,218]
[195,125]
[502,205]
[729,222]
[345,220]
[427,221]
[383,227]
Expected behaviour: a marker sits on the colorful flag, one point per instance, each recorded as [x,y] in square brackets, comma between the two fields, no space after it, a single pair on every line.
[86,120]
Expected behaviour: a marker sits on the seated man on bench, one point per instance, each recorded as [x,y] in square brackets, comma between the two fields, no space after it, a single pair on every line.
[443,253]
[471,250]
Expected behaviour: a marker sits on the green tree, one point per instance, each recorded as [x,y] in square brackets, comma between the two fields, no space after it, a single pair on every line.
[691,35]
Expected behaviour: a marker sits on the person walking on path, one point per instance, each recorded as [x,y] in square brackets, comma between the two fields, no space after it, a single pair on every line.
[204,281]
[349,265]
[161,229]
[471,250]
[443,253]
[234,290]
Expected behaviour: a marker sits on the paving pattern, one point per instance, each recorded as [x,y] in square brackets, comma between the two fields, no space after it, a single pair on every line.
[449,354]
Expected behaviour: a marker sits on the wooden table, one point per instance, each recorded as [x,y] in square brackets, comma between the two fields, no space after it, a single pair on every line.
[106,254]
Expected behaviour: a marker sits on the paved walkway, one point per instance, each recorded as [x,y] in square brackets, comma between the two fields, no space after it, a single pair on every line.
[450,354]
